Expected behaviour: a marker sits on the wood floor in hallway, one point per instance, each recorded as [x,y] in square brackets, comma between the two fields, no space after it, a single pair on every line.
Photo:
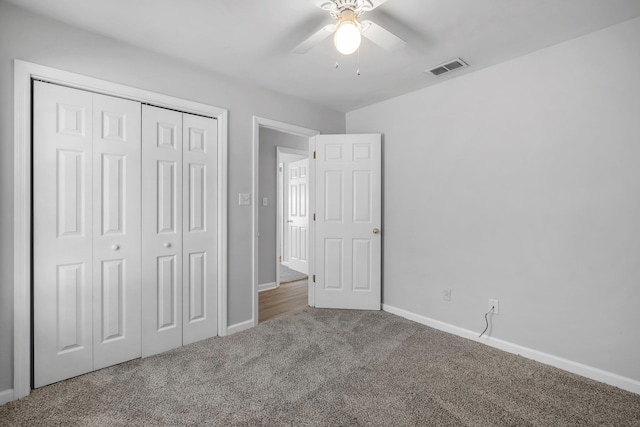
[287,298]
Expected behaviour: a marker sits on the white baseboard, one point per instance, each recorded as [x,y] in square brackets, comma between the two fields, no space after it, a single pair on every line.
[6,396]
[267,286]
[238,327]
[596,374]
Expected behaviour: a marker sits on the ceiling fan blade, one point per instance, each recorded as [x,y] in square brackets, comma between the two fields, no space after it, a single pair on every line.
[381,37]
[315,39]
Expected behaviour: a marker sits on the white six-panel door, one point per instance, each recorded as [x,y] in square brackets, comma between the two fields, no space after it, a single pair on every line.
[348,216]
[86,215]
[179,237]
[200,160]
[161,230]
[298,215]
[62,233]
[116,230]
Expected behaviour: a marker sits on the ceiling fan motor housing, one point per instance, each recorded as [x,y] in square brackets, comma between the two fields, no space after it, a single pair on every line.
[348,29]
[337,7]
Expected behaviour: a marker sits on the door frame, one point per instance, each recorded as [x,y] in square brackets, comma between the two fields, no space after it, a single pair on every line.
[24,73]
[280,207]
[259,122]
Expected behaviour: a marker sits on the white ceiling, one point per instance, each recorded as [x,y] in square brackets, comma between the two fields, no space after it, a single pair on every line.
[252,39]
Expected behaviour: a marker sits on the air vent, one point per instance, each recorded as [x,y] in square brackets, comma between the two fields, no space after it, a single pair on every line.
[448,66]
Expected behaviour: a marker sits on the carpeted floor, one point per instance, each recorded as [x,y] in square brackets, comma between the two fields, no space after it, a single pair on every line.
[288,275]
[329,368]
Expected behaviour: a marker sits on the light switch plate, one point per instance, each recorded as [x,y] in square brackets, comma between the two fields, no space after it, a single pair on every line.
[244,199]
[265,201]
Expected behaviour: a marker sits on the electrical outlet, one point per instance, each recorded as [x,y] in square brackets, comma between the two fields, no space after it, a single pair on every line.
[446,294]
[495,304]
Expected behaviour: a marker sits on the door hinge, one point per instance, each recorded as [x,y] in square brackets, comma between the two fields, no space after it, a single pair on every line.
[280,259]
[314,217]
[314,154]
[314,278]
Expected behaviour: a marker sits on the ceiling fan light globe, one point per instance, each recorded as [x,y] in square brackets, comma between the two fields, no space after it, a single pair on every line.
[347,38]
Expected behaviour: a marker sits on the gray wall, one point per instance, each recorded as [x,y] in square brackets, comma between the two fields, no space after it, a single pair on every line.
[521,182]
[269,140]
[24,35]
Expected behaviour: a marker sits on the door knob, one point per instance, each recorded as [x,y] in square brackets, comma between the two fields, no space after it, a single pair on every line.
[167,245]
[115,247]
[376,230]
[289,220]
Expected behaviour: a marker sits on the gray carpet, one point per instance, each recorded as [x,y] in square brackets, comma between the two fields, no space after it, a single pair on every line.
[329,368]
[288,275]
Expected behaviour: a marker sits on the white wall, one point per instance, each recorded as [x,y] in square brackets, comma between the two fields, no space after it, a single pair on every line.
[521,182]
[26,36]
[269,139]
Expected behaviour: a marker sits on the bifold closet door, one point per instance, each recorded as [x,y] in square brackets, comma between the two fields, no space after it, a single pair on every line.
[161,230]
[86,225]
[179,237]
[116,231]
[62,233]
[200,275]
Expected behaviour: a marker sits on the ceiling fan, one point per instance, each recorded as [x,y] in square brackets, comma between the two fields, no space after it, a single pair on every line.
[348,28]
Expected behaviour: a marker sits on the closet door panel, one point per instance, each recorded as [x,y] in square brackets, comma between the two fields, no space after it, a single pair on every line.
[116,233]
[161,230]
[62,233]
[199,228]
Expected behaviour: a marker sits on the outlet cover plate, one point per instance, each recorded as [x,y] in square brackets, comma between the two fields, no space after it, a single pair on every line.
[446,294]
[495,304]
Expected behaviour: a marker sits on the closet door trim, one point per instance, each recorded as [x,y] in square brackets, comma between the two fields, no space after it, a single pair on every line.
[24,73]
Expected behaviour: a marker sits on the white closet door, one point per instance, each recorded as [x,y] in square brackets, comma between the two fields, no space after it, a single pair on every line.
[161,230]
[200,238]
[116,230]
[62,233]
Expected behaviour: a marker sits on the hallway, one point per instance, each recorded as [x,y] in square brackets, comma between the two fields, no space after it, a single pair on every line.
[287,298]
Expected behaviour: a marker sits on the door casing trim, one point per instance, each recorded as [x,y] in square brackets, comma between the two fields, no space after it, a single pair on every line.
[24,72]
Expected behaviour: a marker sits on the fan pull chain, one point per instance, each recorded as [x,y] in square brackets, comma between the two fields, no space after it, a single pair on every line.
[358,69]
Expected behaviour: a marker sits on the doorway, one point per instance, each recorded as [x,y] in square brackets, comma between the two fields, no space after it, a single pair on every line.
[345,199]
[292,229]
[279,275]
[292,206]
